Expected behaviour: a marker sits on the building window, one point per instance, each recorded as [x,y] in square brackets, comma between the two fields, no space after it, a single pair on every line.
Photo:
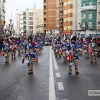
[84,16]
[99,23]
[30,13]
[89,24]
[30,27]
[84,4]
[24,18]
[31,23]
[30,18]
[99,3]
[24,27]
[24,13]
[99,13]
[90,15]
[90,4]
[36,18]
[24,22]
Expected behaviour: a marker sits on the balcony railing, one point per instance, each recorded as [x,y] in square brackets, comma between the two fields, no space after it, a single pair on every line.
[88,8]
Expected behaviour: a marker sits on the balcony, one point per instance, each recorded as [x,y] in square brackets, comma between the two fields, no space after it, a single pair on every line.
[84,8]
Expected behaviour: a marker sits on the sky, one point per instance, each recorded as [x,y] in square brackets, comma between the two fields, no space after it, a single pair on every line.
[21,5]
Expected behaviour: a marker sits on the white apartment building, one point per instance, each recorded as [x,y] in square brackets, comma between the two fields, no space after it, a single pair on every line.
[76,15]
[2,13]
[38,21]
[18,23]
[28,20]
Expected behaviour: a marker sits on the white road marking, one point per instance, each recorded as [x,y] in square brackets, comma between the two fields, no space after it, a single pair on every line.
[58,75]
[63,99]
[52,95]
[54,60]
[60,86]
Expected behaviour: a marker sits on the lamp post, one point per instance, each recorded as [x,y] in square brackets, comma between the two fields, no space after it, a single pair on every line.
[84,28]
[11,19]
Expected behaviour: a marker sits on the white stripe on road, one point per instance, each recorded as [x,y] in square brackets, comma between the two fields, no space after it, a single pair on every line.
[54,60]
[51,80]
[58,75]
[63,99]
[60,86]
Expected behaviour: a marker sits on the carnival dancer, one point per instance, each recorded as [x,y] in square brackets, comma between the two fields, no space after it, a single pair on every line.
[86,50]
[79,47]
[19,44]
[29,56]
[76,60]
[57,47]
[6,51]
[60,52]
[64,49]
[13,48]
[74,48]
[72,58]
[93,52]
[69,58]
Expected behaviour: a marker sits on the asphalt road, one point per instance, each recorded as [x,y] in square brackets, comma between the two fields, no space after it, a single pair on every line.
[75,87]
[16,84]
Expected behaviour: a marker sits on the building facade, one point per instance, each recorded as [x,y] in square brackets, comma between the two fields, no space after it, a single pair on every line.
[2,13]
[70,16]
[39,29]
[38,21]
[90,14]
[51,16]
[18,23]
[98,15]
[28,20]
